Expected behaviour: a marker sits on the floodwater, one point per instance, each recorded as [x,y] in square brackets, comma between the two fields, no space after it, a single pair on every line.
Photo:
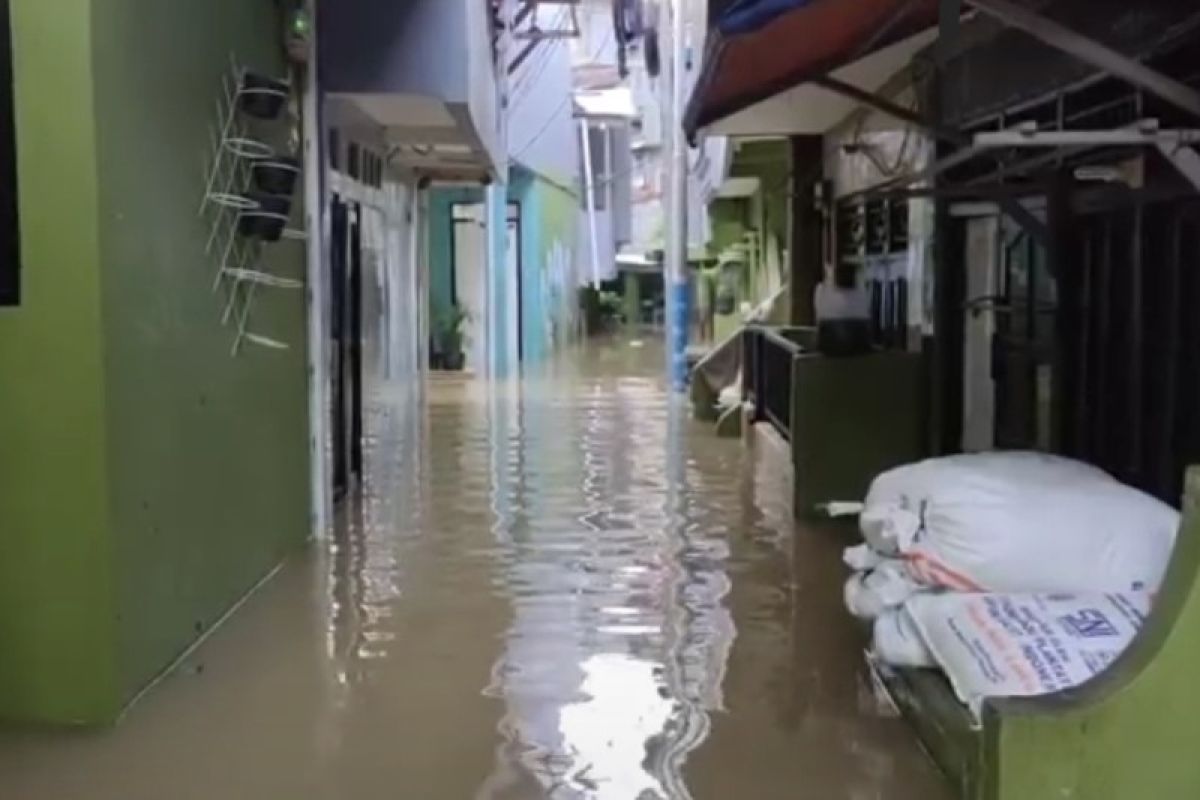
[562,589]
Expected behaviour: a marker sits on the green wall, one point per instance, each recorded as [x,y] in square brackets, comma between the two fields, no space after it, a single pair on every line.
[154,478]
[765,212]
[552,271]
[57,610]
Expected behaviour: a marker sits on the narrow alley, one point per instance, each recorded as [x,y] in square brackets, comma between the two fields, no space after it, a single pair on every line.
[550,589]
[599,399]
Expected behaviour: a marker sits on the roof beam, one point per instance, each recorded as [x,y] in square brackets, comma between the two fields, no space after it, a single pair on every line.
[522,15]
[1091,52]
[522,56]
[886,106]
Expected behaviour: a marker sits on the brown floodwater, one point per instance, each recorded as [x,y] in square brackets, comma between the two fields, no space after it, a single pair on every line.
[561,588]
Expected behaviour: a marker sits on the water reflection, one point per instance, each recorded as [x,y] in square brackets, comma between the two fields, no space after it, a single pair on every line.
[559,588]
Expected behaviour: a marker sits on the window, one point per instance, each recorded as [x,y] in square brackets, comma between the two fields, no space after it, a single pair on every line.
[10,244]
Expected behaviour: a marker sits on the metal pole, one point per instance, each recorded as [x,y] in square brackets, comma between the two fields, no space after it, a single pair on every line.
[320,483]
[589,190]
[675,273]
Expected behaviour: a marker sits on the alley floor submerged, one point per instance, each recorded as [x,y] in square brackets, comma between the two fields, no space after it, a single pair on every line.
[557,588]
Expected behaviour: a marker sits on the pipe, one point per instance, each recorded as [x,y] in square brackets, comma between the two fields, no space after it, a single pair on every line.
[675,277]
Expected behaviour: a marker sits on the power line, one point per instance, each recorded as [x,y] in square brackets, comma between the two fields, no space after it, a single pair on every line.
[543,57]
[566,102]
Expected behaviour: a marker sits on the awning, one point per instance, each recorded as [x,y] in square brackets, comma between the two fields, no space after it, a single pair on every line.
[760,48]
[744,16]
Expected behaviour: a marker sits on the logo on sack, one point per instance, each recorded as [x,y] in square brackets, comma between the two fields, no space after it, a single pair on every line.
[1089,623]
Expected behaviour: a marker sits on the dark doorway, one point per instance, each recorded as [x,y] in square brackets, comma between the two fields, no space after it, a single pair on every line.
[346,350]
[1132,341]
[10,270]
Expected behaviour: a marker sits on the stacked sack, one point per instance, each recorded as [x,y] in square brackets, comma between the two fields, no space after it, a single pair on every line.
[968,558]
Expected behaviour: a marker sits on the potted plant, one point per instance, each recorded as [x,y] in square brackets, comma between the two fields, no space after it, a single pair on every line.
[451,339]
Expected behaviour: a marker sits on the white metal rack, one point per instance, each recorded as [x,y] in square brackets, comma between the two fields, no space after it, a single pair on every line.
[241,220]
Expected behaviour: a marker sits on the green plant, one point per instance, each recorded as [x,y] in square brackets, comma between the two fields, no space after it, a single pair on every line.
[611,305]
[449,327]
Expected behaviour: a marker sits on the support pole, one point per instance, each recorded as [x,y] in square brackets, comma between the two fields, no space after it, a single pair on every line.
[316,220]
[589,189]
[675,274]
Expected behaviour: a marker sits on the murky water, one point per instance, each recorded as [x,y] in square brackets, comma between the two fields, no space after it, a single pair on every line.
[561,589]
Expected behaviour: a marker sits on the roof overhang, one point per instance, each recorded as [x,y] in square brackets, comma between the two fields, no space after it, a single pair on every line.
[747,65]
[812,109]
[606,104]
[738,187]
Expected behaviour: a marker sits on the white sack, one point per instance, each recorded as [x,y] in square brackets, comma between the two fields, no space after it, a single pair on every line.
[869,594]
[1020,522]
[862,558]
[896,641]
[1021,645]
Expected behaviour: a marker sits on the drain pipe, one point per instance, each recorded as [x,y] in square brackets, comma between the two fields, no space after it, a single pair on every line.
[589,189]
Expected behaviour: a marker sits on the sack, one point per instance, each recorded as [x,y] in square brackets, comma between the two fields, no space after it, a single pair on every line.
[1023,645]
[895,640]
[1019,522]
[869,594]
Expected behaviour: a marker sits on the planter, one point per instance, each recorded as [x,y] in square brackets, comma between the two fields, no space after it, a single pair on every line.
[268,219]
[261,96]
[276,176]
[454,361]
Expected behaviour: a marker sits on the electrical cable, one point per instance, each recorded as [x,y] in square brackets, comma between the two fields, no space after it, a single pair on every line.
[541,59]
[567,102]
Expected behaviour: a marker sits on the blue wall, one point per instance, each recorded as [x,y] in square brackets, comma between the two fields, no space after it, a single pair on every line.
[381,46]
[547,222]
[441,244]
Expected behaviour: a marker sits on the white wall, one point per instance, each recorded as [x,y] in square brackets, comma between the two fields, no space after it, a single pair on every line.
[895,148]
[484,82]
[541,131]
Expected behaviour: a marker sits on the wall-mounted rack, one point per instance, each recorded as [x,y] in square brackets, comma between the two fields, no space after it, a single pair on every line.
[248,196]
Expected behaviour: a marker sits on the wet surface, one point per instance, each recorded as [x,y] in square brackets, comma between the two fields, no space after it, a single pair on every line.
[562,589]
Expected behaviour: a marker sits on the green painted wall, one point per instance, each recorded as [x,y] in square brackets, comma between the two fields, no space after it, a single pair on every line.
[209,457]
[57,610]
[154,478]
[558,226]
[765,212]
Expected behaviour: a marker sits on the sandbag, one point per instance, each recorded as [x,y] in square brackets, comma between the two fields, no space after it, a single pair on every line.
[895,640]
[1024,645]
[1019,522]
[869,594]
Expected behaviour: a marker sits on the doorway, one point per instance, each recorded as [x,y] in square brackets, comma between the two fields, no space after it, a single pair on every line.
[468,273]
[1009,350]
[10,250]
[346,373]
